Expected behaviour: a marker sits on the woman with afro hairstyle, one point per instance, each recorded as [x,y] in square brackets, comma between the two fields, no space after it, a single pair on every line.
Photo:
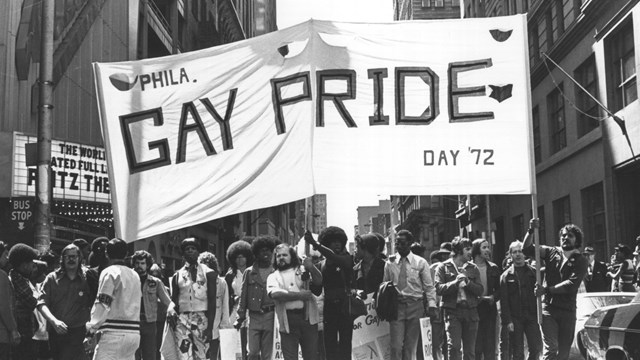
[337,272]
[240,257]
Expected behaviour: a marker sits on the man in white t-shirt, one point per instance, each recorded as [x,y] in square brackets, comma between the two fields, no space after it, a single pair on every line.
[115,315]
[292,287]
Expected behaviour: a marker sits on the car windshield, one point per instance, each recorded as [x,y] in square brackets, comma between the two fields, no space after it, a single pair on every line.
[588,304]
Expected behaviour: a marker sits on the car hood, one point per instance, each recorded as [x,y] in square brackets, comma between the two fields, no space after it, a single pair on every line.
[625,316]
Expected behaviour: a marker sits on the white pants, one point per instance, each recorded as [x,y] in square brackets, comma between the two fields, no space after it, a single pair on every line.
[117,345]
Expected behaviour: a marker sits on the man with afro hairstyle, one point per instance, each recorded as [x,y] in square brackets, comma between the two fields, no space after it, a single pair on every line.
[21,257]
[254,298]
[337,273]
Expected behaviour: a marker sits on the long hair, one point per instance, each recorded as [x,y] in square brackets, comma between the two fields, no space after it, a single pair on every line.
[210,260]
[143,255]
[475,247]
[240,247]
[575,230]
[295,260]
[64,251]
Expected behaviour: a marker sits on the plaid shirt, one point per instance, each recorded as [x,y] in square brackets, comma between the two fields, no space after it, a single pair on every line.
[25,303]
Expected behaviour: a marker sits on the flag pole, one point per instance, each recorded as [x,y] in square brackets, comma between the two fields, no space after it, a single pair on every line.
[615,118]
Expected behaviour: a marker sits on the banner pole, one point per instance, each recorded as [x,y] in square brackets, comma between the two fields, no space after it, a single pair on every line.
[532,167]
[306,225]
[536,239]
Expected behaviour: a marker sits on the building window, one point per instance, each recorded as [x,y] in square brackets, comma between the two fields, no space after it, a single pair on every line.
[561,212]
[517,224]
[594,216]
[621,69]
[534,46]
[557,124]
[556,20]
[439,3]
[588,110]
[543,38]
[571,9]
[537,153]
[426,3]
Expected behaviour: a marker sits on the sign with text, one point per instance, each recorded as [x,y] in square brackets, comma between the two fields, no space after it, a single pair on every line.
[317,108]
[78,172]
[17,220]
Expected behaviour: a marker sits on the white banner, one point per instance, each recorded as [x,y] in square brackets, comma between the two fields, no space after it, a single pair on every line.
[404,108]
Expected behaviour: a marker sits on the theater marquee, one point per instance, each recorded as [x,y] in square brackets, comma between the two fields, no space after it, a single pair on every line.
[78,172]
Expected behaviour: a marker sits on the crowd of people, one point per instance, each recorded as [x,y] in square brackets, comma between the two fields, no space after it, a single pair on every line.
[96,300]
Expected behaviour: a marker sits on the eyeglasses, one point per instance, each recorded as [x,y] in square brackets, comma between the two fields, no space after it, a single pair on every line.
[71,257]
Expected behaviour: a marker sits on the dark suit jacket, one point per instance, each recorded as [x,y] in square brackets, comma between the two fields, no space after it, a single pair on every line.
[212,287]
[598,281]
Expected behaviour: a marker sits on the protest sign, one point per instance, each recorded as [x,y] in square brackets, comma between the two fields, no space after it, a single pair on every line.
[370,335]
[425,333]
[314,108]
[230,345]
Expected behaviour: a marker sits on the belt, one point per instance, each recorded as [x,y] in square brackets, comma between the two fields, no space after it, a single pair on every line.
[265,309]
[296,311]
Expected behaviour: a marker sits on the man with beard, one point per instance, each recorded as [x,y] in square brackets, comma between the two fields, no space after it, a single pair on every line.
[412,277]
[292,287]
[152,291]
[254,298]
[193,291]
[65,302]
[518,308]
[458,282]
[115,315]
[565,268]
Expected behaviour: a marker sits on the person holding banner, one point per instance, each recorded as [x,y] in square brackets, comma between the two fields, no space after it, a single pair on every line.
[292,287]
[412,277]
[565,269]
[253,297]
[518,308]
[458,282]
[337,269]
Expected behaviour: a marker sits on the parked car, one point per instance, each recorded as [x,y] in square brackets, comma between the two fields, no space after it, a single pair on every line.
[613,332]
[586,304]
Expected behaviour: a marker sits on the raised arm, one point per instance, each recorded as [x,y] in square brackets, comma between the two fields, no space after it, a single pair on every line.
[343,259]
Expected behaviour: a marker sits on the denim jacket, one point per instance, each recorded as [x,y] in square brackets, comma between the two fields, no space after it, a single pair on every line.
[253,292]
[447,287]
[153,290]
